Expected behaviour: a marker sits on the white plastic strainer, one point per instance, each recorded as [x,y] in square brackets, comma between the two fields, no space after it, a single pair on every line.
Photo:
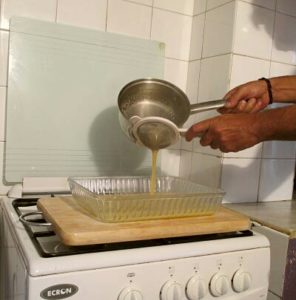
[155,132]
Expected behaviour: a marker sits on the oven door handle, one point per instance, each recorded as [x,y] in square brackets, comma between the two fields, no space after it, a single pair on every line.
[26,222]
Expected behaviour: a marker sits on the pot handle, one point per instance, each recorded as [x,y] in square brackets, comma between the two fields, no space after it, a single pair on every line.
[205,106]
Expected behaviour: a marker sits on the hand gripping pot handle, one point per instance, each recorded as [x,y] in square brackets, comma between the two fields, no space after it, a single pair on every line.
[206,106]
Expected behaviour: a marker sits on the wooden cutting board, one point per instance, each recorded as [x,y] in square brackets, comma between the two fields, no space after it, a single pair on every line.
[76,228]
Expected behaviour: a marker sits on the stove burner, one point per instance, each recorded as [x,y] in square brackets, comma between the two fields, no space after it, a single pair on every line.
[48,243]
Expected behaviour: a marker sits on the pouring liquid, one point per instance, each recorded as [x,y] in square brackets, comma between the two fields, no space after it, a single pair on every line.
[153,172]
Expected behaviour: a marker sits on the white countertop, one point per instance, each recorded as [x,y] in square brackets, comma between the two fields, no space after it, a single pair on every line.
[279,215]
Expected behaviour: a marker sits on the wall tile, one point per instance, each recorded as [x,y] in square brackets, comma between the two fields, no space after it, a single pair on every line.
[185,164]
[170,162]
[214,78]
[206,169]
[271,296]
[218,33]
[145,2]
[197,37]
[253,30]
[252,152]
[43,10]
[177,40]
[276,180]
[253,69]
[284,41]
[183,7]
[188,146]
[4,37]
[216,3]
[196,142]
[279,69]
[286,6]
[264,3]
[192,80]
[279,149]
[175,71]
[129,18]
[199,6]
[93,16]
[240,179]
[2,113]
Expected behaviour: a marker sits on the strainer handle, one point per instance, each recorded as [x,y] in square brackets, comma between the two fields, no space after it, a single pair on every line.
[183,131]
[205,106]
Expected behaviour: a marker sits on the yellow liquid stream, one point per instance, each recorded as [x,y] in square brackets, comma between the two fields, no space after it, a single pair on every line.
[153,172]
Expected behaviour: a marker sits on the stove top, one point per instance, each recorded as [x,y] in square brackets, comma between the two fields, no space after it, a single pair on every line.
[48,243]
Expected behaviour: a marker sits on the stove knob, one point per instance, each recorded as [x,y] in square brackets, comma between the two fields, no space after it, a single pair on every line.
[241,281]
[130,294]
[172,290]
[219,284]
[196,288]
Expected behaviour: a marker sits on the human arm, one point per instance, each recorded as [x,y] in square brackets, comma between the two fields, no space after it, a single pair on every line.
[253,96]
[235,132]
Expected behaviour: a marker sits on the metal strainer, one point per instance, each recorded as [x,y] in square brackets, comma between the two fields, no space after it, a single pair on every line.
[156,109]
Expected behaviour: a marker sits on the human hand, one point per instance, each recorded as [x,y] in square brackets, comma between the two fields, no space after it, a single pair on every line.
[229,132]
[247,98]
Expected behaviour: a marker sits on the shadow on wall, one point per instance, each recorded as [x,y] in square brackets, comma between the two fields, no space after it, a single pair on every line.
[282,42]
[113,153]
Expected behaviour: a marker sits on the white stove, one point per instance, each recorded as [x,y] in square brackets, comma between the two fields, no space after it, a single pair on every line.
[233,266]
[55,130]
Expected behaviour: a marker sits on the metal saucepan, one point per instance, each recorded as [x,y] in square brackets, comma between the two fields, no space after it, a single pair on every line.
[153,110]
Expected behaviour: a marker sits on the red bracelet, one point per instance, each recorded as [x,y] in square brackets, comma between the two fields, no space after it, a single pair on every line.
[269,89]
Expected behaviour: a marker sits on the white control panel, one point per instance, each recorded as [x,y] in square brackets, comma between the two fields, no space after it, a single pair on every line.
[240,275]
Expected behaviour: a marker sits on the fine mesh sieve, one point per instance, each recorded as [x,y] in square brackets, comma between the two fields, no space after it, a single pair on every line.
[155,133]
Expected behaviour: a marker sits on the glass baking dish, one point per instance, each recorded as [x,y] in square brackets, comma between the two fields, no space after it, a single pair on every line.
[122,199]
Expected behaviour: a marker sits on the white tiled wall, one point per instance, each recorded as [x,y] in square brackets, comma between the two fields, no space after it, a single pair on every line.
[276,180]
[214,77]
[183,7]
[244,41]
[253,30]
[162,20]
[264,3]
[205,169]
[218,30]
[287,7]
[284,41]
[129,18]
[197,34]
[43,10]
[175,30]
[216,3]
[240,179]
[211,46]
[69,12]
